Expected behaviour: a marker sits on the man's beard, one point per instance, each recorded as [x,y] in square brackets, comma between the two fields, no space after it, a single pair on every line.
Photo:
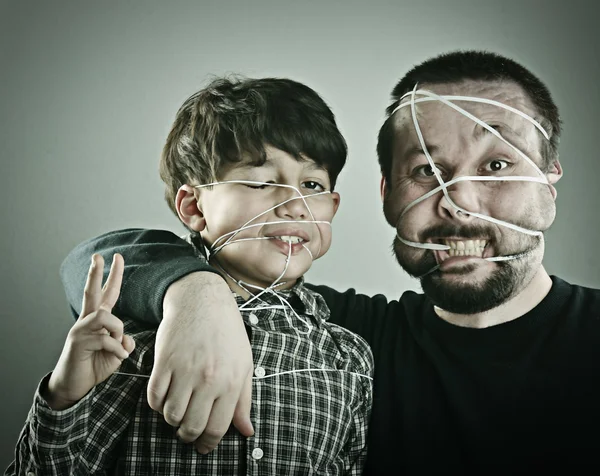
[463,297]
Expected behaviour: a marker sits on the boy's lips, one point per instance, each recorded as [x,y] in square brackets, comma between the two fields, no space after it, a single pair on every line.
[289,235]
[286,238]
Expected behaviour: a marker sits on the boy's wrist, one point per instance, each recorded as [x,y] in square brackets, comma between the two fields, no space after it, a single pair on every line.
[53,397]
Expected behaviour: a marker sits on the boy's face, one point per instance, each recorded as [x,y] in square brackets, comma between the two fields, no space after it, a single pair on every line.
[273,231]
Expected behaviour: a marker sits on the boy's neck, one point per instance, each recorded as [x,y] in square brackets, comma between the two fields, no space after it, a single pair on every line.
[247,291]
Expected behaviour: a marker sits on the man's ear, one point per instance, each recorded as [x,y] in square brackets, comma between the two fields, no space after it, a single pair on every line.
[383,188]
[554,173]
[189,208]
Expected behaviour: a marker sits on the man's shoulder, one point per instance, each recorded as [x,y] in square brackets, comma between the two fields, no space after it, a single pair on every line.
[408,299]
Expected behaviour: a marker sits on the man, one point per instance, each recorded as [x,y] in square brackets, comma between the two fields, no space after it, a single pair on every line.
[493,369]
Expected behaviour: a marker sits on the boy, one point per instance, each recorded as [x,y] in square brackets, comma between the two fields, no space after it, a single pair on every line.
[249,167]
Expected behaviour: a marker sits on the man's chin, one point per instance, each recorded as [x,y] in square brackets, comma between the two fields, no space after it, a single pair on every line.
[465,288]
[463,292]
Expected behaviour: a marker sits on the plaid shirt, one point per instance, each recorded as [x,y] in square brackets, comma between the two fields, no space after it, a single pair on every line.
[311,396]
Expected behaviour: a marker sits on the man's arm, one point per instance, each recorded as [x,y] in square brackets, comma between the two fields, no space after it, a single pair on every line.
[202,375]
[154,259]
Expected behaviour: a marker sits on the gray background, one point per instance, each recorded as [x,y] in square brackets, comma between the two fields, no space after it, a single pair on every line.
[89,90]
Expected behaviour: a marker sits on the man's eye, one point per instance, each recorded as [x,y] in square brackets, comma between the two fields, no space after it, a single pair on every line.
[423,171]
[312,185]
[496,165]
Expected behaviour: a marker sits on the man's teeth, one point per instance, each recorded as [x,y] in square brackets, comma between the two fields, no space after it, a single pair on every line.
[465,248]
[290,239]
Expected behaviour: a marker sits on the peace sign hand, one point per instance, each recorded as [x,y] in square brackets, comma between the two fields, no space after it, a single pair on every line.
[95,345]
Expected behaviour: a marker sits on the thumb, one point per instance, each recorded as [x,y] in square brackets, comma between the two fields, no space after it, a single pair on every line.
[241,415]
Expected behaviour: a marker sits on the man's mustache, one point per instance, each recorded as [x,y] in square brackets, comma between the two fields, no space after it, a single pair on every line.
[453,231]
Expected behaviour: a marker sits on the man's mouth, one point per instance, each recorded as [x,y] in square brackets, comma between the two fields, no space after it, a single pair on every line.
[476,248]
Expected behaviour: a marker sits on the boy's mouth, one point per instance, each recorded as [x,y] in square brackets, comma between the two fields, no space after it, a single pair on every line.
[290,239]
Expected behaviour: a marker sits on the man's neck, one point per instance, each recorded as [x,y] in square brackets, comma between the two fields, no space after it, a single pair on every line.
[537,289]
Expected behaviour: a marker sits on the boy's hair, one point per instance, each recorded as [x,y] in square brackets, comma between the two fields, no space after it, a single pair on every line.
[231,120]
[458,66]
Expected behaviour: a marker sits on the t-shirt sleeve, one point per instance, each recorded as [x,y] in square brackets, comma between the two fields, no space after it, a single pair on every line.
[154,259]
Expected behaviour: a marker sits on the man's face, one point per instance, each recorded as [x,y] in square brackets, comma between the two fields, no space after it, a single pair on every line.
[465,282]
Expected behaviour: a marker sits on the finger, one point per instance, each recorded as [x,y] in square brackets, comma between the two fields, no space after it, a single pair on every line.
[95,343]
[176,401]
[92,293]
[112,287]
[102,321]
[158,386]
[241,414]
[195,418]
[217,424]
[128,343]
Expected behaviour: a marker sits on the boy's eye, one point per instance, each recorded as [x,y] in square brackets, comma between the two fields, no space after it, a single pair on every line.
[259,187]
[312,185]
[496,165]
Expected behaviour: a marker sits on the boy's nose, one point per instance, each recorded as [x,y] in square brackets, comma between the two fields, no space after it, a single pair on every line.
[293,207]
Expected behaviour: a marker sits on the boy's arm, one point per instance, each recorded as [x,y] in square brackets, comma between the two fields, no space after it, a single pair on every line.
[202,377]
[85,435]
[77,418]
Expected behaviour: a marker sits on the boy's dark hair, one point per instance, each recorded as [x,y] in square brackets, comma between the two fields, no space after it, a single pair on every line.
[458,66]
[232,119]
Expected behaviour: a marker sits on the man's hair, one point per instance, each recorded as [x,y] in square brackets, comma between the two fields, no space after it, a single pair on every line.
[232,119]
[459,66]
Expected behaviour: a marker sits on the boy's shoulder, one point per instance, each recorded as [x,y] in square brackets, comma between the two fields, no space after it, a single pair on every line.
[353,346]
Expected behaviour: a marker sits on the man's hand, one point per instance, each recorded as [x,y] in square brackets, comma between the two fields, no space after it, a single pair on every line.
[95,345]
[202,376]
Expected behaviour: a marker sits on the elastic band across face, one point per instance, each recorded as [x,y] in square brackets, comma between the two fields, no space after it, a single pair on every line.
[448,101]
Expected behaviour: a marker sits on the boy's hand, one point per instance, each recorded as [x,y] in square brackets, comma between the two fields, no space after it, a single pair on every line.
[95,345]
[202,376]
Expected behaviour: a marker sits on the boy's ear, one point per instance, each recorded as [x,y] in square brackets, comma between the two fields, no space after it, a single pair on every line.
[336,202]
[553,175]
[189,209]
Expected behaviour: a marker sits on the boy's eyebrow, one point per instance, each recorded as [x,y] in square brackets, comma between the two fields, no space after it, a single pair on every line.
[315,166]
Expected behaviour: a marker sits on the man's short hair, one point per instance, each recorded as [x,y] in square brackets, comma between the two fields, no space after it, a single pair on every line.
[231,120]
[458,66]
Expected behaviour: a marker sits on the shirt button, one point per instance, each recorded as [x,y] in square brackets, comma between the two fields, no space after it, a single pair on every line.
[257,453]
[259,372]
[253,319]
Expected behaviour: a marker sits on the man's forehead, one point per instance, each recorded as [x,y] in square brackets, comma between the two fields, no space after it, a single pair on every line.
[434,112]
[505,92]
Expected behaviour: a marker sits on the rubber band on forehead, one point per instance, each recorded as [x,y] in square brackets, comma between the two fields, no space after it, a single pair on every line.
[447,100]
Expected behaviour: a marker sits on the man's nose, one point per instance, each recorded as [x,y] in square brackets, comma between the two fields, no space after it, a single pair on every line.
[464,194]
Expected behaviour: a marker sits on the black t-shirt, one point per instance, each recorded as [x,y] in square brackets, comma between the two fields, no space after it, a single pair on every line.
[519,397]
[515,398]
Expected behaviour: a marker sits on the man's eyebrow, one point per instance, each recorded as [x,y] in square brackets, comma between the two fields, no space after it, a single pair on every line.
[481,131]
[417,150]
